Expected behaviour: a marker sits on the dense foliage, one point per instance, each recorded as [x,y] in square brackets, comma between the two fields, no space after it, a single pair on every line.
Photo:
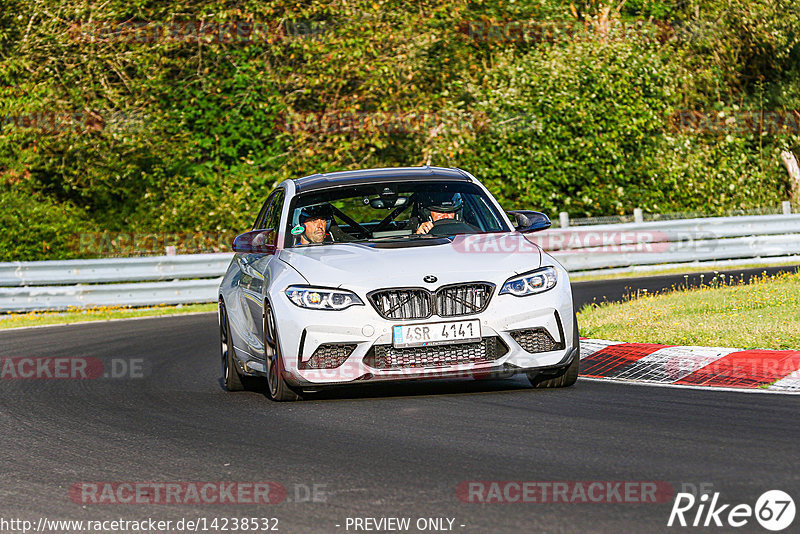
[144,116]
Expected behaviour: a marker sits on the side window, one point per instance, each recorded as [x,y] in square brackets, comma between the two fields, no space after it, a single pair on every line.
[262,214]
[267,213]
[479,214]
[273,216]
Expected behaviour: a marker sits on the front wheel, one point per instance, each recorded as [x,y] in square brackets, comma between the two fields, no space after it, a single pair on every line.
[230,374]
[565,379]
[277,388]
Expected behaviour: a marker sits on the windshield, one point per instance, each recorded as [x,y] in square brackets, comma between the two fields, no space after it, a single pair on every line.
[390,211]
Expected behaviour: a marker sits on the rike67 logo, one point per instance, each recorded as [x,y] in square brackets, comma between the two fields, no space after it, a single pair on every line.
[774,510]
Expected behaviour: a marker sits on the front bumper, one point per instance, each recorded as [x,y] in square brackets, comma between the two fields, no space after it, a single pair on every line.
[303,331]
[505,370]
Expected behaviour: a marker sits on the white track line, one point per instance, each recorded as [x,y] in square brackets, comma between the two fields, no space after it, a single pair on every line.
[789,384]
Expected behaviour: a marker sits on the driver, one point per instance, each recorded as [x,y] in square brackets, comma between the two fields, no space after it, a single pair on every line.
[316,221]
[437,206]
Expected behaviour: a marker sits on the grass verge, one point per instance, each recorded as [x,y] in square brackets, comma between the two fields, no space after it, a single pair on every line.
[16,320]
[724,313]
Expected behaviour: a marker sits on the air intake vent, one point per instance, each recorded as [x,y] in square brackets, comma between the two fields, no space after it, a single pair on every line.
[535,340]
[486,350]
[328,356]
[419,303]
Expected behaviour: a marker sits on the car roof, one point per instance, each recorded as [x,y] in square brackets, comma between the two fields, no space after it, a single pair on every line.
[366,176]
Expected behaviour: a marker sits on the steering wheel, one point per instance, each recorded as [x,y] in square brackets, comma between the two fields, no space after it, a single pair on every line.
[451,226]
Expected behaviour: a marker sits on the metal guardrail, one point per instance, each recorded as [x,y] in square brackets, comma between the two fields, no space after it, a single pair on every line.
[37,273]
[678,241]
[57,285]
[681,252]
[30,298]
[674,230]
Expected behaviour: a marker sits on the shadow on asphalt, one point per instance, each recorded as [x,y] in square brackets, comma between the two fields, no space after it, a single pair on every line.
[407,388]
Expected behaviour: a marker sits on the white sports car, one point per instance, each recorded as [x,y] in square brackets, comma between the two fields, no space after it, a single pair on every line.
[392,274]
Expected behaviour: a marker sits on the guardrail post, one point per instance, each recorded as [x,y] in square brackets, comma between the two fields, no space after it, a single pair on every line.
[787,207]
[563,219]
[637,215]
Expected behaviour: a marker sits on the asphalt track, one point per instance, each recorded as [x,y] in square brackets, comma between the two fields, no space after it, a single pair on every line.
[377,451]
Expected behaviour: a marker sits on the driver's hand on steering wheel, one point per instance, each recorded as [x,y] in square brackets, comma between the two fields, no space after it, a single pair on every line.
[424,228]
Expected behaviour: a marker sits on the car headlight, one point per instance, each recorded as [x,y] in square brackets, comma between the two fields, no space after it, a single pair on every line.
[531,283]
[320,298]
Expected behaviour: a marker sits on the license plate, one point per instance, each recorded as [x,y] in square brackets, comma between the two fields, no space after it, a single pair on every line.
[421,335]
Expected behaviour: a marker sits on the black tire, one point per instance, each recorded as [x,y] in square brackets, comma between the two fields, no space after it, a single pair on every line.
[230,373]
[277,389]
[567,376]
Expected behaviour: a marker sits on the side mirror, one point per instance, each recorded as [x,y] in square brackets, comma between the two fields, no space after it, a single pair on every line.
[255,242]
[529,221]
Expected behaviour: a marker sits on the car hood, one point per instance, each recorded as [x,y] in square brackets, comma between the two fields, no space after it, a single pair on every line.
[482,257]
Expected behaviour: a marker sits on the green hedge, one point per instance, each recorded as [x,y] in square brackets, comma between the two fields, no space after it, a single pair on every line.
[181,135]
[37,228]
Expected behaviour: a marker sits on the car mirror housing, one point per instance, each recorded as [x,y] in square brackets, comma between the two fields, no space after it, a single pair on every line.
[255,242]
[529,221]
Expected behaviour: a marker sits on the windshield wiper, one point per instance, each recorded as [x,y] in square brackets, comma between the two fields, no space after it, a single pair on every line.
[401,237]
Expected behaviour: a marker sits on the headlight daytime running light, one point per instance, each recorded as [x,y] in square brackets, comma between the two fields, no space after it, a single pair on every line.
[320,298]
[538,281]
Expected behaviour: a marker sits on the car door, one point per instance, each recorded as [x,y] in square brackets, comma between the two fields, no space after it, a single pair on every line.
[254,268]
